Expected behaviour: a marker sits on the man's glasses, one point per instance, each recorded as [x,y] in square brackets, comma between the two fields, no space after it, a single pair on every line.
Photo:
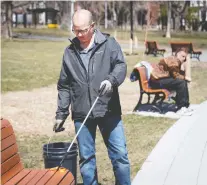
[82,32]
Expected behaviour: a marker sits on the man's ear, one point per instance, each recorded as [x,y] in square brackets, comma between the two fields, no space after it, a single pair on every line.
[93,24]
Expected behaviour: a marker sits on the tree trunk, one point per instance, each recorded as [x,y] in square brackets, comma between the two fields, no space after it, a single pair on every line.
[114,20]
[8,19]
[106,15]
[131,20]
[168,35]
[114,15]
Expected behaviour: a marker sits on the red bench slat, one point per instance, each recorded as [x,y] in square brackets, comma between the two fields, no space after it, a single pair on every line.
[18,177]
[6,131]
[5,143]
[8,152]
[4,123]
[8,164]
[11,173]
[12,170]
[68,179]
[38,176]
[29,177]
[46,177]
[145,86]
[58,176]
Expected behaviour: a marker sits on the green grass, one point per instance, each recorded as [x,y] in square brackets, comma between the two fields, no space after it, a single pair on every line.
[142,133]
[197,88]
[42,31]
[30,64]
[194,37]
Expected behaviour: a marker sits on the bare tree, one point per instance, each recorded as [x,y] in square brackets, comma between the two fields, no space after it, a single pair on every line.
[168,35]
[7,25]
[114,14]
[97,9]
[179,8]
[106,15]
[64,12]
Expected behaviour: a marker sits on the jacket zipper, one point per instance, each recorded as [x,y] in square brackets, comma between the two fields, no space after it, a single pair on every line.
[87,73]
[94,50]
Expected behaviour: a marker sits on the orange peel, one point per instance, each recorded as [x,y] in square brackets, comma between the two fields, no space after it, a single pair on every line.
[61,169]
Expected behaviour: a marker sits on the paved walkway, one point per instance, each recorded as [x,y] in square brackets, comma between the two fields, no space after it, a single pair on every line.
[180,157]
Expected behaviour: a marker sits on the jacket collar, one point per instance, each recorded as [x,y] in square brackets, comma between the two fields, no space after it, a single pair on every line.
[99,38]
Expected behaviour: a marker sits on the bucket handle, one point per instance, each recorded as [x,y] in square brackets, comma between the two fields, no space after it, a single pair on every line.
[49,142]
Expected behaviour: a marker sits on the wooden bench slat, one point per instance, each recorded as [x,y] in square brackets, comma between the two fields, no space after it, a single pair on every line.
[144,83]
[8,164]
[57,177]
[18,177]
[6,131]
[159,94]
[4,123]
[5,143]
[152,48]
[12,169]
[29,177]
[189,46]
[68,180]
[8,152]
[38,176]
[46,177]
[11,173]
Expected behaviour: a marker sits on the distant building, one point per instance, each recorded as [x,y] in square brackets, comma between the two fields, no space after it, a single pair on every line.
[34,13]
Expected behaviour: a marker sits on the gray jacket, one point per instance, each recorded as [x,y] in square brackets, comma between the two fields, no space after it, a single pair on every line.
[79,88]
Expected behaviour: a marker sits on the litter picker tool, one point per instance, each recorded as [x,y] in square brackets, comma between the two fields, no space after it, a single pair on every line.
[65,155]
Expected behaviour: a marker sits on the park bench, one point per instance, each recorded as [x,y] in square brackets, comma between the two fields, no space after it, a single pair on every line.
[13,171]
[159,94]
[152,48]
[193,53]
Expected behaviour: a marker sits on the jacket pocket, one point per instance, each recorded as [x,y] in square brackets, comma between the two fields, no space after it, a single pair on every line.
[80,102]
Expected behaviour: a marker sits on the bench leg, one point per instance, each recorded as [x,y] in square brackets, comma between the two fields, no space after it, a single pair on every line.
[155,53]
[148,101]
[157,97]
[195,55]
[161,102]
[198,57]
[139,102]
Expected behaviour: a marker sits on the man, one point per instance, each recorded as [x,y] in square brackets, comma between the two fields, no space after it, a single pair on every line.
[93,60]
[168,75]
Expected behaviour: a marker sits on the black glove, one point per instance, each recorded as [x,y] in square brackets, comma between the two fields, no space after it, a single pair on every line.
[58,125]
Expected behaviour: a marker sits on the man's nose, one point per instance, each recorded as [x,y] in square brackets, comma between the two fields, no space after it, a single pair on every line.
[80,34]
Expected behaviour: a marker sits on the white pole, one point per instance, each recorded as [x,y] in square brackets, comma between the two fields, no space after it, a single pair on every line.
[106,16]
[71,13]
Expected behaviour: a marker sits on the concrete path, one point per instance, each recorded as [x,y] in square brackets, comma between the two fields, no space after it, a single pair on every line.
[180,157]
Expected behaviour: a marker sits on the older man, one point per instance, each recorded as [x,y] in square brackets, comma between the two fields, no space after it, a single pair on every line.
[93,60]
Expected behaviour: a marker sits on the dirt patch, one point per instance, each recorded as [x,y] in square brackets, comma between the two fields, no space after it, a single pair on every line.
[34,111]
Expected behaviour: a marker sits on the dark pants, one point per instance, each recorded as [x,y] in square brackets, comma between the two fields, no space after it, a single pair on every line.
[171,84]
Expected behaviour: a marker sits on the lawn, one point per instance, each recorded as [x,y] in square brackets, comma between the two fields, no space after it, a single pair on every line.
[123,36]
[29,64]
[142,133]
[32,64]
